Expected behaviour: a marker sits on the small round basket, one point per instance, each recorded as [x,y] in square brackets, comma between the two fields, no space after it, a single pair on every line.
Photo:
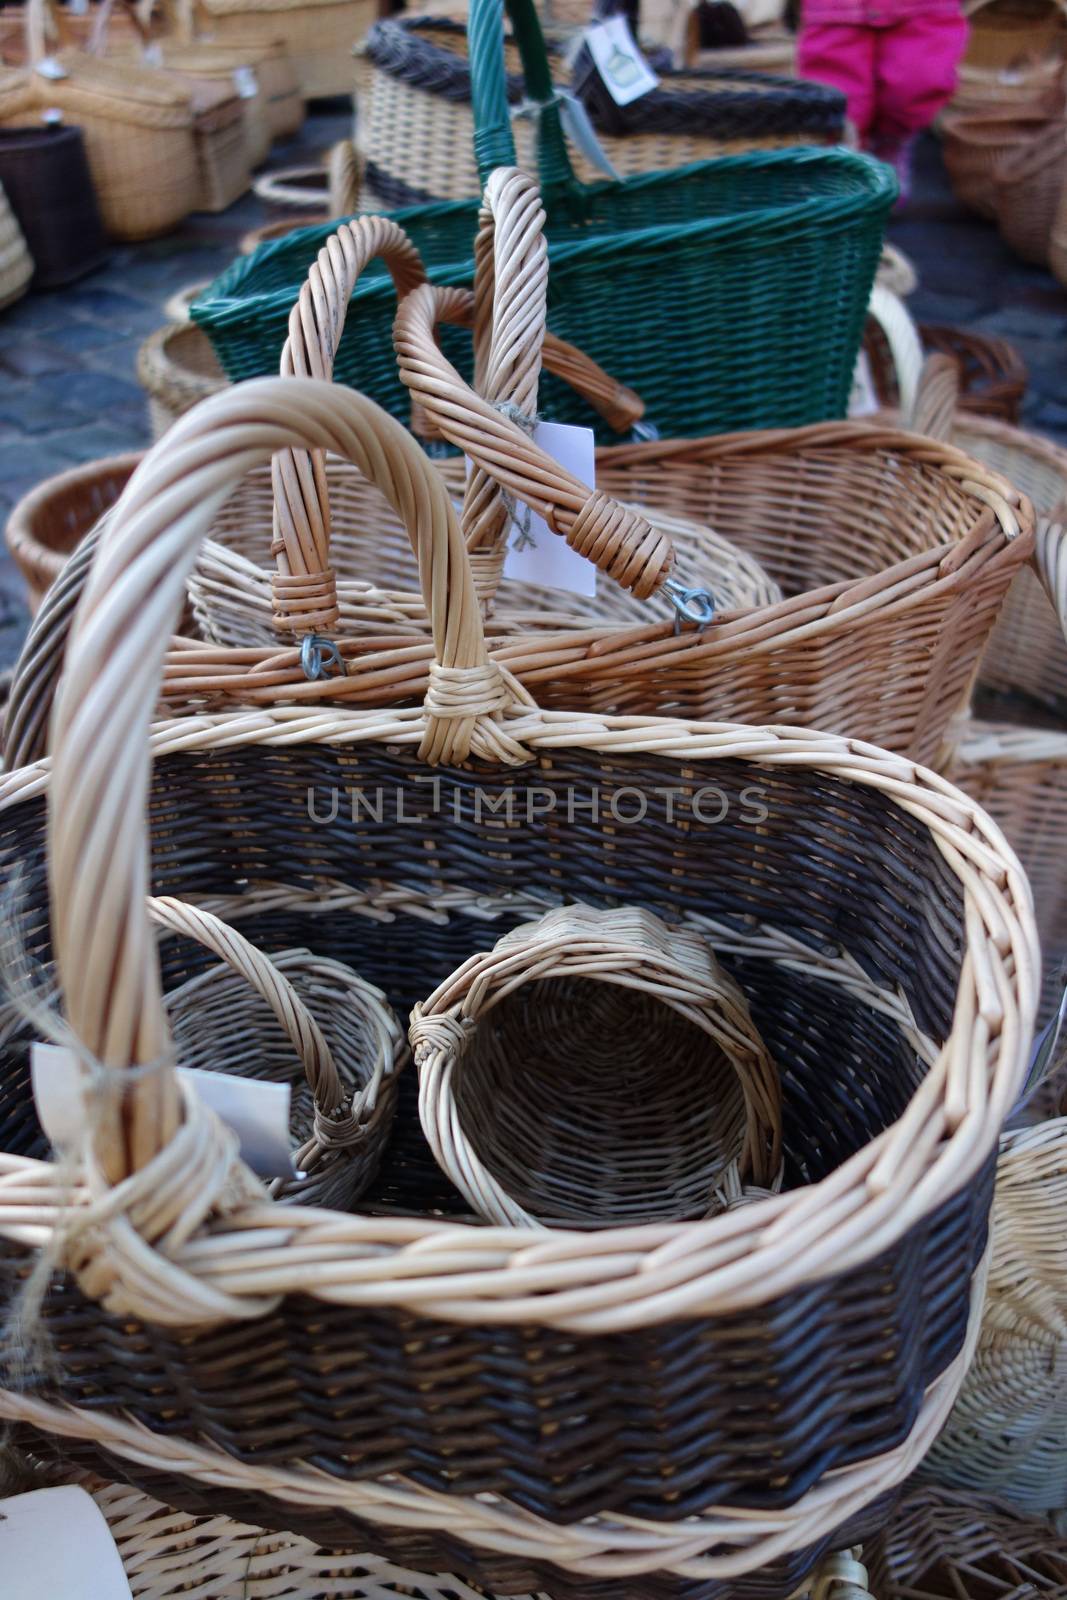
[178,368]
[48,523]
[597,1067]
[300,1019]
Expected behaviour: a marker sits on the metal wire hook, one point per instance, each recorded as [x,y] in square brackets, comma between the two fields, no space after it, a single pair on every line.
[321,658]
[691,605]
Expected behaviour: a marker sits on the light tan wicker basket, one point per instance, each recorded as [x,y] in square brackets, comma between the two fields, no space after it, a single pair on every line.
[318,35]
[1028,183]
[221,146]
[973,145]
[1015,55]
[276,74]
[597,1068]
[48,523]
[16,264]
[177,367]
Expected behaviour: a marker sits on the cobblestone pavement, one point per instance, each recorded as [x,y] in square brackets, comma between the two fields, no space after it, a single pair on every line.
[67,359]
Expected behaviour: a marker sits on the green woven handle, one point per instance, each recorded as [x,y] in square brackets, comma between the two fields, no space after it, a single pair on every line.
[494,145]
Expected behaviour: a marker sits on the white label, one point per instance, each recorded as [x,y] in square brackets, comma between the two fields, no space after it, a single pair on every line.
[55,1543]
[257,1112]
[626,73]
[49,67]
[152,55]
[863,401]
[78,8]
[535,553]
[245,82]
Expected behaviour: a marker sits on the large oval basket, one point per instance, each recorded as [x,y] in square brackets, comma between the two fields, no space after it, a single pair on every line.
[655,1410]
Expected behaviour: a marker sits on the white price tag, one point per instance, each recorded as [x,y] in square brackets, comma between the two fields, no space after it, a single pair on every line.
[258,1112]
[626,73]
[78,8]
[55,1542]
[863,401]
[49,67]
[152,55]
[245,82]
[535,553]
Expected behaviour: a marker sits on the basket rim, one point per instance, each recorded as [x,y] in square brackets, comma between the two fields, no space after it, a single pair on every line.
[875,187]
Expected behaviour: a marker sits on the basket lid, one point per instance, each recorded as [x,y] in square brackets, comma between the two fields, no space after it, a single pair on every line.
[120,90]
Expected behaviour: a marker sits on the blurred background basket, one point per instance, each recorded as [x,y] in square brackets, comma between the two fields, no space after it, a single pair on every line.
[16,264]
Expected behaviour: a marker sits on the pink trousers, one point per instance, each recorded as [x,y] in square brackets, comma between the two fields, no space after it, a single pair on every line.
[896,77]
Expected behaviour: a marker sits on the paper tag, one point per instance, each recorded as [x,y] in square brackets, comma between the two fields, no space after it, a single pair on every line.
[55,1542]
[258,1112]
[49,67]
[863,401]
[246,82]
[536,554]
[152,55]
[626,73]
[78,8]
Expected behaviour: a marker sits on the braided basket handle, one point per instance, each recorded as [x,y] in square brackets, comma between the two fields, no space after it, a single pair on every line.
[98,858]
[305,588]
[616,538]
[269,982]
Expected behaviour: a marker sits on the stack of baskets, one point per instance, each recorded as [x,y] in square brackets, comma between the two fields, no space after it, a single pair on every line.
[657,1269]
[1015,55]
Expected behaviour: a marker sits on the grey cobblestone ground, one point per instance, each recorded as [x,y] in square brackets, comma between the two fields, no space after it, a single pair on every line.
[69,392]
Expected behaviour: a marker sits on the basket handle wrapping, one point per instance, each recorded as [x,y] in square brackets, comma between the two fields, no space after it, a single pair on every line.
[494,143]
[305,588]
[617,538]
[107,963]
[269,982]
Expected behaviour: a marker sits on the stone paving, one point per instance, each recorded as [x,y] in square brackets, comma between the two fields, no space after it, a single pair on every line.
[69,392]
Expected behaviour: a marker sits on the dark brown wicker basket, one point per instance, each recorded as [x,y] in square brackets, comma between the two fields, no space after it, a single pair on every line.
[993,375]
[46,178]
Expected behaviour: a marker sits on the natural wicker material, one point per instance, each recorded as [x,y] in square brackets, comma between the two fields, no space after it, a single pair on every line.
[298,1019]
[1057,250]
[333,189]
[596,1068]
[941,1544]
[1007,1435]
[276,77]
[561,1342]
[46,525]
[973,146]
[46,177]
[16,264]
[1028,183]
[138,130]
[203,66]
[1019,775]
[221,146]
[992,375]
[178,368]
[416,121]
[1015,54]
[318,35]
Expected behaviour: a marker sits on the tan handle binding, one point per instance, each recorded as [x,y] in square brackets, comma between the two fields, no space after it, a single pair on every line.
[98,857]
[305,589]
[268,980]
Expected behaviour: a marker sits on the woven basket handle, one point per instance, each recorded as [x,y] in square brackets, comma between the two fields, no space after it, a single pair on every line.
[617,538]
[494,143]
[46,26]
[98,858]
[937,400]
[268,980]
[305,587]
[97,42]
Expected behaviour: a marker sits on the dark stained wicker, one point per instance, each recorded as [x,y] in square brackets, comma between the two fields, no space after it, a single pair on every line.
[366,1394]
[941,1544]
[45,175]
[993,375]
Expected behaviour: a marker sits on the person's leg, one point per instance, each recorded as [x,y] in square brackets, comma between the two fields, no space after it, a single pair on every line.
[915,76]
[844,58]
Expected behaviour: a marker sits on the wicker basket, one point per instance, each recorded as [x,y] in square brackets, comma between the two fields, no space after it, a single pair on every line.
[992,375]
[1057,251]
[1015,55]
[567,1344]
[1007,1436]
[597,1068]
[771,259]
[221,146]
[416,118]
[297,1019]
[318,36]
[16,264]
[47,524]
[940,1543]
[275,72]
[138,127]
[1028,183]
[974,145]
[177,367]
[46,178]
[212,66]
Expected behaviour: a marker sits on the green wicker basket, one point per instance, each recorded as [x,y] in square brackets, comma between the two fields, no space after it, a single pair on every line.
[730,293]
